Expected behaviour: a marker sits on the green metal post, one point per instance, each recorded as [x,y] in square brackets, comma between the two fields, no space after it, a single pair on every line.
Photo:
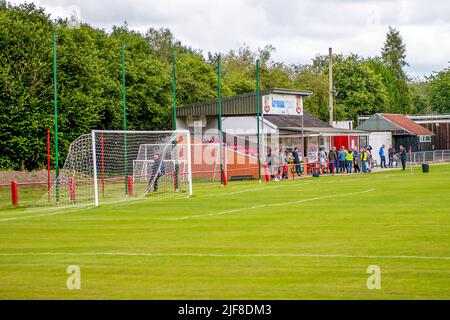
[174,115]
[219,118]
[174,93]
[124,102]
[55,100]
[258,110]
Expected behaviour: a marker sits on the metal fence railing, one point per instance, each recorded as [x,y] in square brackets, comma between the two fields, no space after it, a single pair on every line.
[428,156]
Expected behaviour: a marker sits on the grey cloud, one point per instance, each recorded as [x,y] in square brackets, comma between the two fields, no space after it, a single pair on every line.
[298,29]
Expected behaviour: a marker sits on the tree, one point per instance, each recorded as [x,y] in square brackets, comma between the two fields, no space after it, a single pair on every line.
[420,97]
[360,90]
[440,91]
[25,85]
[394,52]
[393,55]
[238,69]
[310,78]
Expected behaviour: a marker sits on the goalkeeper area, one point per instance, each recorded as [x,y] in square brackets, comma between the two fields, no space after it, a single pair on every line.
[108,166]
[309,238]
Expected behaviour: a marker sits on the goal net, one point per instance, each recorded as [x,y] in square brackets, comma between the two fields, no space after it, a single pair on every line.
[108,166]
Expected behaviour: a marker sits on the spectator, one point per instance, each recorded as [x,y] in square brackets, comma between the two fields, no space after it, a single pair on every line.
[270,165]
[382,157]
[371,161]
[284,163]
[333,160]
[349,161]
[276,165]
[402,152]
[364,158]
[322,159]
[356,160]
[296,156]
[342,155]
[391,153]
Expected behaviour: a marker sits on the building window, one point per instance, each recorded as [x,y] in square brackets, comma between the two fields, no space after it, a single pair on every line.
[425,138]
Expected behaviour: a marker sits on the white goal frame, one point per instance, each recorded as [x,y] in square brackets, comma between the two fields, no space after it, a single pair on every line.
[94,154]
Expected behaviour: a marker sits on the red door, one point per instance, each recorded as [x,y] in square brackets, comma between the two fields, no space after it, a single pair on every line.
[339,141]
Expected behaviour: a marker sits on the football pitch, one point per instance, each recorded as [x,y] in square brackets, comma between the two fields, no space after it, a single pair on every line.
[311,238]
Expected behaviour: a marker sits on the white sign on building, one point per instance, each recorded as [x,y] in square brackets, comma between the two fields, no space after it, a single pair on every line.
[282,104]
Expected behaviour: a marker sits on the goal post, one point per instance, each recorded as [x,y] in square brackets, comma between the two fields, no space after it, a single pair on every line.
[113,165]
[94,166]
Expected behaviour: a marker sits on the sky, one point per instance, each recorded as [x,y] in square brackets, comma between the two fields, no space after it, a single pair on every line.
[298,29]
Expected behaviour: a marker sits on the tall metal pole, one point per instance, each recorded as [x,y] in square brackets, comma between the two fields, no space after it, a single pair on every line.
[55,119]
[174,93]
[219,118]
[303,135]
[124,102]
[258,110]
[174,115]
[330,84]
[48,164]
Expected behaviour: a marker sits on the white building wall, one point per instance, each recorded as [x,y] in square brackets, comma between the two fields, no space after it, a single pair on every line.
[246,126]
[376,140]
[343,124]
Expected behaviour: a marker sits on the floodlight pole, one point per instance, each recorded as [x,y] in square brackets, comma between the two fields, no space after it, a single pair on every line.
[258,110]
[219,118]
[55,119]
[124,102]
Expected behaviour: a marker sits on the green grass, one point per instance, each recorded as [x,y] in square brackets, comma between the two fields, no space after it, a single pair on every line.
[302,239]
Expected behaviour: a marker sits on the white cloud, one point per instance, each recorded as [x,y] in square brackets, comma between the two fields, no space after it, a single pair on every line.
[298,29]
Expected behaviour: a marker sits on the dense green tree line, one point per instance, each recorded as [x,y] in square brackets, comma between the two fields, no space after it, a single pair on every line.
[90,93]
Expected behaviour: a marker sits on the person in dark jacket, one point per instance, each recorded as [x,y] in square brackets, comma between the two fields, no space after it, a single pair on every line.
[296,157]
[391,153]
[158,171]
[356,160]
[402,152]
[333,160]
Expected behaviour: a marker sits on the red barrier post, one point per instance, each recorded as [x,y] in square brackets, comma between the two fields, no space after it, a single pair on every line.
[130,185]
[266,175]
[174,176]
[224,178]
[72,189]
[14,194]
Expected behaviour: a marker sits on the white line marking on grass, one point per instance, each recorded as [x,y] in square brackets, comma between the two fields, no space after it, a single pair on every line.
[290,185]
[264,206]
[126,202]
[43,215]
[225,255]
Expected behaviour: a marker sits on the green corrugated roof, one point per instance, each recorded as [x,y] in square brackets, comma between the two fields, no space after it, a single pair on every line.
[243,104]
[377,123]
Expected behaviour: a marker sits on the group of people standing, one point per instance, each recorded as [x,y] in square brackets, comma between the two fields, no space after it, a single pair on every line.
[279,163]
[353,160]
[360,161]
[348,161]
[392,157]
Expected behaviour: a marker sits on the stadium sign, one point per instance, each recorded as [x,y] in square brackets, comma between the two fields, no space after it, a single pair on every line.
[276,104]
